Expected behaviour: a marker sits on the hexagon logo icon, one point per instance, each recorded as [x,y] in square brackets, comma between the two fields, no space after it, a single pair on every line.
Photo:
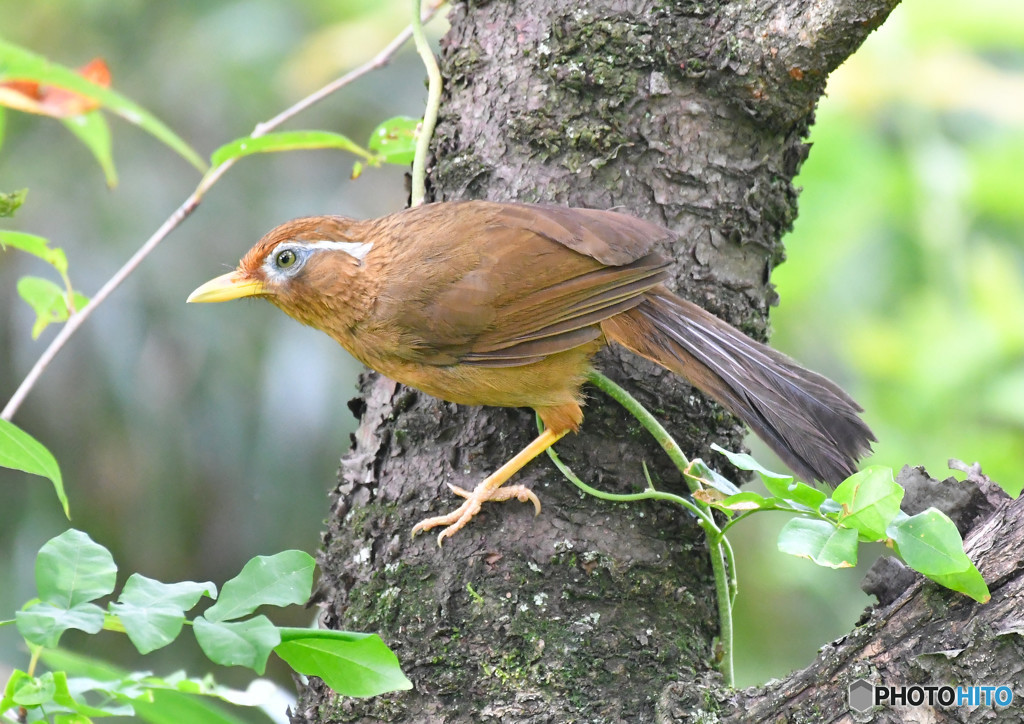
[861,695]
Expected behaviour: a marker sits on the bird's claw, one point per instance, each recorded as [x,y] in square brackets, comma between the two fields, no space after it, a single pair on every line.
[458,518]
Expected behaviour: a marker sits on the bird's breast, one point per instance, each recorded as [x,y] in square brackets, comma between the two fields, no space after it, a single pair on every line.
[549,382]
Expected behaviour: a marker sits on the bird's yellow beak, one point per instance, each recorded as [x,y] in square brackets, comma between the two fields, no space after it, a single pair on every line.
[225,288]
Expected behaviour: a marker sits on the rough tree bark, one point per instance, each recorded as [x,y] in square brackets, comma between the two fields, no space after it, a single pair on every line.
[692,114]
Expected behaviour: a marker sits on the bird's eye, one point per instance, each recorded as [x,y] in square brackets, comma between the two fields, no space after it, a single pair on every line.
[285,258]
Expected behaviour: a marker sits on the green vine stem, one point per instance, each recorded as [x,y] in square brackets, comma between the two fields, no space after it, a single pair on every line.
[674,452]
[419,163]
[720,550]
[649,421]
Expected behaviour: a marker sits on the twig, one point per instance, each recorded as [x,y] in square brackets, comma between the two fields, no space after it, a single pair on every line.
[378,61]
[419,163]
[182,212]
[76,320]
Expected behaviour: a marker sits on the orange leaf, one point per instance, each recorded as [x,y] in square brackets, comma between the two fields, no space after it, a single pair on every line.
[26,87]
[96,71]
[48,100]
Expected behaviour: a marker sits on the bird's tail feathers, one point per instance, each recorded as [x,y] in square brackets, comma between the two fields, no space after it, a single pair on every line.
[810,423]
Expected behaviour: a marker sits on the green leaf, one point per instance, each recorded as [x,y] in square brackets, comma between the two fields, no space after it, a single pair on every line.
[51,692]
[278,580]
[969,582]
[37,246]
[21,451]
[33,691]
[802,494]
[351,664]
[141,591]
[167,700]
[819,541]
[92,130]
[82,718]
[744,501]
[3,131]
[153,613]
[830,508]
[750,501]
[174,707]
[19,64]
[930,543]
[10,201]
[43,623]
[47,301]
[799,493]
[778,484]
[64,697]
[14,683]
[394,140]
[241,643]
[72,568]
[287,141]
[71,571]
[870,499]
[698,470]
[743,461]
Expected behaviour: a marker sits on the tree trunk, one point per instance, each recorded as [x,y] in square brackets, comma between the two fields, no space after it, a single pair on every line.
[691,114]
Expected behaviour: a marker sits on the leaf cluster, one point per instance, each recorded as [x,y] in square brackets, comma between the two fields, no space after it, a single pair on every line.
[51,302]
[73,572]
[864,508]
[23,75]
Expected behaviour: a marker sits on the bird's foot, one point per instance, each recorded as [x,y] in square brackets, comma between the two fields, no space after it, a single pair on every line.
[474,499]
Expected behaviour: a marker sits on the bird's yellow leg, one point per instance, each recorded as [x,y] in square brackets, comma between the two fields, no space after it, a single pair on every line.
[490,489]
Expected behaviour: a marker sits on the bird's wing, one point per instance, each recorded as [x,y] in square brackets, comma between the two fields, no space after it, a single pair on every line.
[611,238]
[537,281]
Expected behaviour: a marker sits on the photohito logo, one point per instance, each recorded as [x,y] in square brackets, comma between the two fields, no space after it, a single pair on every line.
[863,695]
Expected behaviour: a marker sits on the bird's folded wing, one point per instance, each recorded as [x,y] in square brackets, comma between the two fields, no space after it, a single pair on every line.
[531,291]
[611,238]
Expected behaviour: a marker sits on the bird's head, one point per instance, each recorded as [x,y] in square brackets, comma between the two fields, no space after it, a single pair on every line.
[306,267]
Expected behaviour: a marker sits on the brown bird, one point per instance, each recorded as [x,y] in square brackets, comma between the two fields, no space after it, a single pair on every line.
[484,303]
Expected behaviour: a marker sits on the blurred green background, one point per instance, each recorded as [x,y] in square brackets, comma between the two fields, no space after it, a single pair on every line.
[193,438]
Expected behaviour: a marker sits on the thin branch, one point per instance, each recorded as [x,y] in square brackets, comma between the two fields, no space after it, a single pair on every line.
[184,211]
[76,320]
[380,60]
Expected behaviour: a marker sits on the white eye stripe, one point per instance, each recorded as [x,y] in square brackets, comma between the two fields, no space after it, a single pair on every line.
[302,250]
[357,250]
